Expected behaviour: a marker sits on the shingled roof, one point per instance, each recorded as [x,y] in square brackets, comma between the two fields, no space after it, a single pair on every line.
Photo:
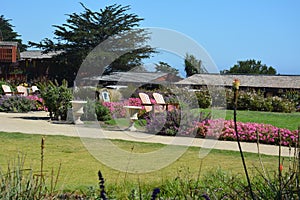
[134,77]
[8,43]
[37,54]
[254,81]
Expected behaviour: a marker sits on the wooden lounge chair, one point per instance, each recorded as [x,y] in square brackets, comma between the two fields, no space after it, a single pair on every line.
[22,90]
[161,101]
[146,102]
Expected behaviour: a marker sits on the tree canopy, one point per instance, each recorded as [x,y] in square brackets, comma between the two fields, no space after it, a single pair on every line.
[193,65]
[8,34]
[250,67]
[83,32]
[165,67]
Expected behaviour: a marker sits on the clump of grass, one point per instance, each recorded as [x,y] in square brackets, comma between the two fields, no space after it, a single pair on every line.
[19,182]
[284,184]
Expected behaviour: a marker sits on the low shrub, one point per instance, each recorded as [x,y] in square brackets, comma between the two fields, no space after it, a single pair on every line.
[282,105]
[57,98]
[165,123]
[95,110]
[38,102]
[255,101]
[17,104]
[116,109]
[174,122]
[292,95]
[204,98]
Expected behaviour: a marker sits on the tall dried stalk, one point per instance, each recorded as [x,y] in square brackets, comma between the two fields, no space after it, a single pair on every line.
[236,84]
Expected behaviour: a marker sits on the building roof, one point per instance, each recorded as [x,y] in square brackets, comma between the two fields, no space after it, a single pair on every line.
[37,54]
[8,43]
[134,77]
[254,81]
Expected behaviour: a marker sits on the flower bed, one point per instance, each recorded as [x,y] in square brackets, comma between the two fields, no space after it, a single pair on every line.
[248,132]
[38,102]
[21,104]
[117,109]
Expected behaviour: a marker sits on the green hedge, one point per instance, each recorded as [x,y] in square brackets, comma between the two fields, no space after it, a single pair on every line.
[255,101]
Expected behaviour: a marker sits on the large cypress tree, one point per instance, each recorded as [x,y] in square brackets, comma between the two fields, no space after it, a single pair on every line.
[83,32]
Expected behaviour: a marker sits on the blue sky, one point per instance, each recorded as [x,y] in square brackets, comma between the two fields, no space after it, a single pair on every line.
[228,30]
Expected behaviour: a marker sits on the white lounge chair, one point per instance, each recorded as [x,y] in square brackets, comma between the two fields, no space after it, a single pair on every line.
[8,92]
[22,90]
[35,89]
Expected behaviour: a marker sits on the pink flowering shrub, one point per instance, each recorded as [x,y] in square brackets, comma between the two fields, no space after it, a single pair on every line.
[248,132]
[38,102]
[134,102]
[117,109]
[138,102]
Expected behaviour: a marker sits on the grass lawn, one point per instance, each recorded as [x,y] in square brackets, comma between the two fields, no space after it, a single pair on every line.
[282,120]
[79,168]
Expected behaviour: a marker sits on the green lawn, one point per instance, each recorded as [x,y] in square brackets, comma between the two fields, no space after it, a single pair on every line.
[79,167]
[282,120]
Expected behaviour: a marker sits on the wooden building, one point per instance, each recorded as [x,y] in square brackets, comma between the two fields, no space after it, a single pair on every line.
[9,65]
[37,64]
[8,52]
[270,84]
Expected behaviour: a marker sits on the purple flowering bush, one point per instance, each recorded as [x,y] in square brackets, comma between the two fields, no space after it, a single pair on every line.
[164,123]
[249,132]
[18,104]
[174,122]
[21,103]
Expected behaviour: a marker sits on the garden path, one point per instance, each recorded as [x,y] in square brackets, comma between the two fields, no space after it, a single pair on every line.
[39,123]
